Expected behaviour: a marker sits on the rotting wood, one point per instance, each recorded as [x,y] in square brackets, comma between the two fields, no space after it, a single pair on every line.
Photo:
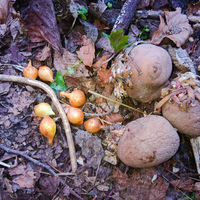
[126,15]
[58,106]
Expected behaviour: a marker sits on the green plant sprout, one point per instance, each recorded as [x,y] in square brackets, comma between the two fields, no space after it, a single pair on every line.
[83,11]
[145,29]
[109,5]
[59,84]
[118,40]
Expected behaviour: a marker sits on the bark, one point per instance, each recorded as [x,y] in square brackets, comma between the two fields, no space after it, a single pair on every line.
[126,15]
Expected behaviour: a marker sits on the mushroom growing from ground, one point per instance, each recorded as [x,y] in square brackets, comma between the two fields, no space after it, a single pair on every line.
[180,104]
[148,141]
[155,68]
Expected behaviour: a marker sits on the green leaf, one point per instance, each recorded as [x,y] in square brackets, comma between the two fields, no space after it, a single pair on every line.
[117,40]
[109,5]
[59,84]
[83,11]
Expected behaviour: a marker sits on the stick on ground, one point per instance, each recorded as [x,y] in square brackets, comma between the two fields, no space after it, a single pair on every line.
[54,99]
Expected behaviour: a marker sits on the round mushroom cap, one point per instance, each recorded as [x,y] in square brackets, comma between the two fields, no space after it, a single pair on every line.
[186,121]
[156,66]
[148,141]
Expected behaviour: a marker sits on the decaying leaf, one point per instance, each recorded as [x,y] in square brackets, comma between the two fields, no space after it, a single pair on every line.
[4,10]
[114,118]
[63,62]
[91,147]
[86,52]
[184,185]
[41,23]
[176,28]
[140,185]
[26,178]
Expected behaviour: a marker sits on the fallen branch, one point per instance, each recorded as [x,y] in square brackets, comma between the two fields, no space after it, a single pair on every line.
[54,99]
[37,162]
[126,15]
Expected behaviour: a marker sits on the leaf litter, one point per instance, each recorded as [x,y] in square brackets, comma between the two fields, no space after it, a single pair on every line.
[80,54]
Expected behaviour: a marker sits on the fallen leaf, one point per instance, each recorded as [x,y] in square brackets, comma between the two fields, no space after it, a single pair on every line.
[4,10]
[183,185]
[49,185]
[194,9]
[86,52]
[19,102]
[176,28]
[113,118]
[41,23]
[140,186]
[103,72]
[44,53]
[91,147]
[99,25]
[67,60]
[26,180]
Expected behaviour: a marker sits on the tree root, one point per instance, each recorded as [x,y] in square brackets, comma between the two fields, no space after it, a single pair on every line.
[54,99]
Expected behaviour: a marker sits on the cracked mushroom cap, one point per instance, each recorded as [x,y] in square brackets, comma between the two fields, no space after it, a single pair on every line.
[148,141]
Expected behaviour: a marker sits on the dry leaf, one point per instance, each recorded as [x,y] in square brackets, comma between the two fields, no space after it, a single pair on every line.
[176,28]
[99,26]
[26,180]
[184,185]
[103,72]
[41,23]
[114,118]
[87,51]
[63,62]
[4,11]
[194,9]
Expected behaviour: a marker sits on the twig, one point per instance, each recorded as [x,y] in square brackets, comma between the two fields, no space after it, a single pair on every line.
[95,93]
[99,114]
[23,153]
[126,15]
[54,99]
[37,162]
[4,164]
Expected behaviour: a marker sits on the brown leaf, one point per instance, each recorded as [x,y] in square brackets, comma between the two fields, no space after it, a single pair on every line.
[103,72]
[194,9]
[17,170]
[114,118]
[49,185]
[99,26]
[66,60]
[26,180]
[184,185]
[41,23]
[4,11]
[87,51]
[140,184]
[176,28]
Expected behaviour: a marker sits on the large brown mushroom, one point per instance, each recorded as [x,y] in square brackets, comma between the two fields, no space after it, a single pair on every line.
[147,142]
[156,67]
[186,121]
